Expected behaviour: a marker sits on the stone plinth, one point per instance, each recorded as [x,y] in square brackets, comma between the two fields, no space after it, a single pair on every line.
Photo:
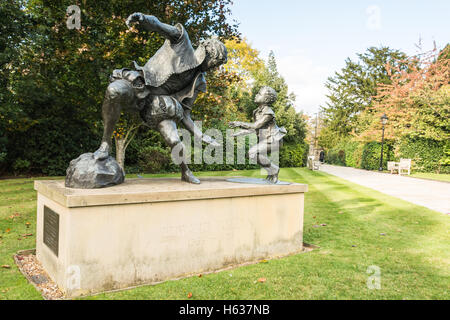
[150,230]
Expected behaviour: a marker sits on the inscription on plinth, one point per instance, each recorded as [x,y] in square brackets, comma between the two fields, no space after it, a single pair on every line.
[51,229]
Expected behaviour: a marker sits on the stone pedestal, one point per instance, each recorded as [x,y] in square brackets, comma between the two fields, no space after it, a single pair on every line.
[150,230]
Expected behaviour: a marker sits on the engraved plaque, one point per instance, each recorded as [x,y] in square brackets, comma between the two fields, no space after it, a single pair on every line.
[51,229]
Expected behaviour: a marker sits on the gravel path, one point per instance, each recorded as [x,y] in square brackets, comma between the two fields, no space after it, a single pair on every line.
[434,195]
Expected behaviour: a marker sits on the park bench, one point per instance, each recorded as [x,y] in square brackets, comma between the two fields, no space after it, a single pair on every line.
[403,166]
[313,164]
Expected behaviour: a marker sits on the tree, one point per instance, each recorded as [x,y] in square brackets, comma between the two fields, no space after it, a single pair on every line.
[60,75]
[354,88]
[416,100]
[14,26]
[243,60]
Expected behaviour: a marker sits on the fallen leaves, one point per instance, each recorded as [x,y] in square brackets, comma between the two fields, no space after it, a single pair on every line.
[15,215]
[6,266]
[189,295]
[262,280]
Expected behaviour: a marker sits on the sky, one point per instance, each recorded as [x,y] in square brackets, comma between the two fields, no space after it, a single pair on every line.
[312,39]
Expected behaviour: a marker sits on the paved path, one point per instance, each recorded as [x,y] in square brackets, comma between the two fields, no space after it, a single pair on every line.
[434,195]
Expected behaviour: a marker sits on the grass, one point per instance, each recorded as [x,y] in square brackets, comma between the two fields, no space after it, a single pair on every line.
[413,253]
[432,176]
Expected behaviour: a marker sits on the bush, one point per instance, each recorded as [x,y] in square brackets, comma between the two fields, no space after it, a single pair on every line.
[21,166]
[335,156]
[50,146]
[359,155]
[370,159]
[154,159]
[427,155]
[293,155]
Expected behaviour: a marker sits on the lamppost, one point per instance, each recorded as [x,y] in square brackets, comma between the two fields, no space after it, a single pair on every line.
[384,120]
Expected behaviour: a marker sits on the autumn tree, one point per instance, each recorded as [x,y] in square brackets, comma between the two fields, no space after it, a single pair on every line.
[59,75]
[353,88]
[417,101]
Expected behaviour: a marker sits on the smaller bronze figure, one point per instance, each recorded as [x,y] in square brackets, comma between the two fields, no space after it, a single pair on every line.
[270,136]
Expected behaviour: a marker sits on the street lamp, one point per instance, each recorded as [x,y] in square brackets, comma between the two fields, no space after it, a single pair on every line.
[384,120]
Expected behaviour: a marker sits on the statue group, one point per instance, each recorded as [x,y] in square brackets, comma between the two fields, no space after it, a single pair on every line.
[163,91]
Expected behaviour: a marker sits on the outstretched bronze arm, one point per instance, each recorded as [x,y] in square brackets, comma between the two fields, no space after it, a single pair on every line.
[151,23]
[258,124]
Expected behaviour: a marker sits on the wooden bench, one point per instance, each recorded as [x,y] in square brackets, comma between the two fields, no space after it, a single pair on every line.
[404,166]
[313,164]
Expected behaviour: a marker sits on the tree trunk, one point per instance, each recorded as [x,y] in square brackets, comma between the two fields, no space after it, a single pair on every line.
[120,151]
[122,143]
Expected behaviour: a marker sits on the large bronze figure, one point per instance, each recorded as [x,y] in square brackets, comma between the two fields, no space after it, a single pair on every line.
[163,90]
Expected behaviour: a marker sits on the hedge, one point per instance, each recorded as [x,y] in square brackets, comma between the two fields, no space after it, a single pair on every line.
[359,155]
[427,155]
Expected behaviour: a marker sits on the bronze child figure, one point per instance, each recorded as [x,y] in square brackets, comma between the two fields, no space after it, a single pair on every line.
[269,134]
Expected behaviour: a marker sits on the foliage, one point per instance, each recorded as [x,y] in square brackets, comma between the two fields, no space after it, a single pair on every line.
[414,92]
[417,102]
[243,60]
[293,155]
[363,155]
[21,166]
[352,90]
[56,78]
[427,155]
[371,154]
[153,159]
[59,75]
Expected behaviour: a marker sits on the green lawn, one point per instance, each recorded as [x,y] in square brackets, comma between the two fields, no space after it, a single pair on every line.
[432,176]
[410,244]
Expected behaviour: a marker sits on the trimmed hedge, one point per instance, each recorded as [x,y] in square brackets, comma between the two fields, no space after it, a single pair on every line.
[153,156]
[371,154]
[359,155]
[427,155]
[293,155]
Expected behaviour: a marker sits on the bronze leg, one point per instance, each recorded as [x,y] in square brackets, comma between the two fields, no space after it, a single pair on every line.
[119,95]
[168,130]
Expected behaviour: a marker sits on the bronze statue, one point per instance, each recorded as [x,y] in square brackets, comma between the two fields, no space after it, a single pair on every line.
[269,134]
[163,91]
